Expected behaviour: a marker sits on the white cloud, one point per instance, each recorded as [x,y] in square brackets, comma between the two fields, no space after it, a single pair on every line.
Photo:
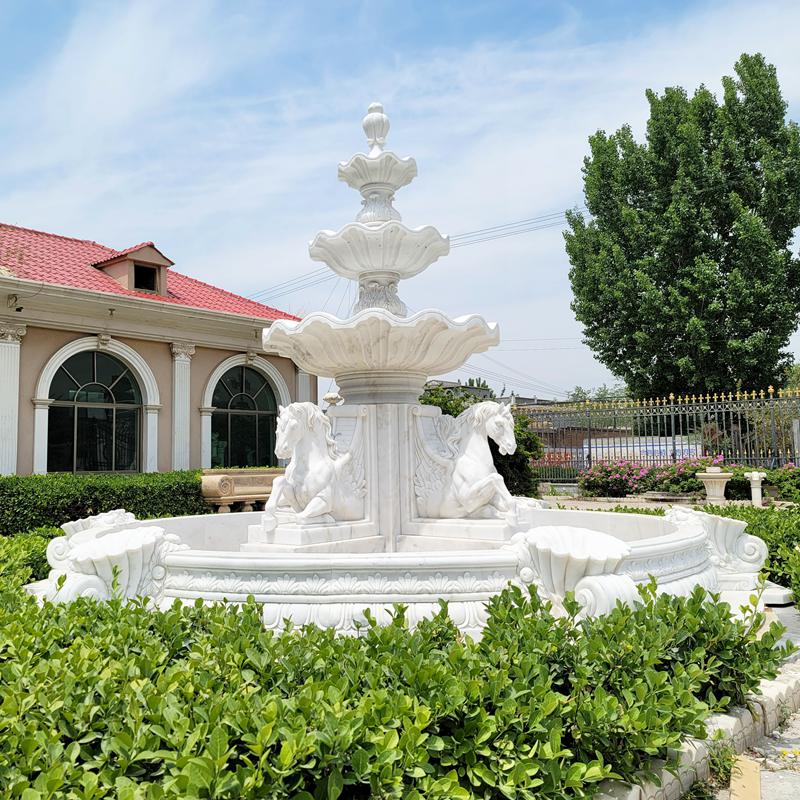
[140,136]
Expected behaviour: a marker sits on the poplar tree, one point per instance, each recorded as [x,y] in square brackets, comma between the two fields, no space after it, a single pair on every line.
[683,277]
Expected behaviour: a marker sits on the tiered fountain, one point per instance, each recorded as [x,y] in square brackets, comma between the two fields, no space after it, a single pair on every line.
[385,500]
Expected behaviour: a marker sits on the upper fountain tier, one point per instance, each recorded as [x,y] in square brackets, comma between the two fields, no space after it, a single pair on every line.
[379,354]
[377,250]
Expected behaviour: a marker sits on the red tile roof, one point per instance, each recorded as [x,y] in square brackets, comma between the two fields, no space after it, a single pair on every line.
[63,261]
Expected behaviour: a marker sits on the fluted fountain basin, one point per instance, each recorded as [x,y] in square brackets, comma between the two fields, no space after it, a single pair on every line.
[331,584]
[384,247]
[376,356]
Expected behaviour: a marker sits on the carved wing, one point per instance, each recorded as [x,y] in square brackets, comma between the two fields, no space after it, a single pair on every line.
[432,470]
[352,467]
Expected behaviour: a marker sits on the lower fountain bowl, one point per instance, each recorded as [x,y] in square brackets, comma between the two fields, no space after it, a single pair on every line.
[334,584]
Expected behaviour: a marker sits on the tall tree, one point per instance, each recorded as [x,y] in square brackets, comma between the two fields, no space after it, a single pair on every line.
[684,279]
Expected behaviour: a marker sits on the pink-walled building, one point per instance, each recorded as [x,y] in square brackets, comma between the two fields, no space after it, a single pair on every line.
[111,361]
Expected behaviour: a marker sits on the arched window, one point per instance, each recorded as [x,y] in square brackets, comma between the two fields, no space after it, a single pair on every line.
[95,420]
[244,420]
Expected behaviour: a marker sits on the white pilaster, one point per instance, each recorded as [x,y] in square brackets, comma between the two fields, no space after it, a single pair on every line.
[10,337]
[304,388]
[181,373]
[41,411]
[151,438]
[205,436]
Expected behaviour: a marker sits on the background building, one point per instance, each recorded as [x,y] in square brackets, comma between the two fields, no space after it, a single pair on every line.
[111,361]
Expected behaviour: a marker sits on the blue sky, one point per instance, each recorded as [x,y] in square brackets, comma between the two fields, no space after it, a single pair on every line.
[214,129]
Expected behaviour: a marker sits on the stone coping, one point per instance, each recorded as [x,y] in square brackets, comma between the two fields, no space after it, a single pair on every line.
[741,727]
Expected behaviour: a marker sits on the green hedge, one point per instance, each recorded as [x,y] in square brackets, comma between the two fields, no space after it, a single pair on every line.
[114,700]
[34,501]
[23,557]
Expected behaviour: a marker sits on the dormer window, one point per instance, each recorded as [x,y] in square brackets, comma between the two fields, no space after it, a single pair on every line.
[145,278]
[142,268]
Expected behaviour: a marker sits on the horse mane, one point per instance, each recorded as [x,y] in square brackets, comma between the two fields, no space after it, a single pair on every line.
[473,417]
[312,415]
[478,413]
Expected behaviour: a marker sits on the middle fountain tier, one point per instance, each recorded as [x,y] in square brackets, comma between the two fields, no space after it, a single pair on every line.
[381,470]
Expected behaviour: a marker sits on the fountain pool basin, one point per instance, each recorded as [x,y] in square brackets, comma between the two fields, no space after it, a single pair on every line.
[327,586]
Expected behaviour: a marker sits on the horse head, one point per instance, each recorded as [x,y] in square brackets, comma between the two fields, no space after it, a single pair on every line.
[497,421]
[297,421]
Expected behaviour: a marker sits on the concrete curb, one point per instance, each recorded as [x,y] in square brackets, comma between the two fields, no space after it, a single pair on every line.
[742,727]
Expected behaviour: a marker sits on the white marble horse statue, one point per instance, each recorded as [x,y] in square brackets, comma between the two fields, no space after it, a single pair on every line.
[467,484]
[321,486]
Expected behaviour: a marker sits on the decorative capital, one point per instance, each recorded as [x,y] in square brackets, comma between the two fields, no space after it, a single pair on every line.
[206,411]
[182,351]
[376,127]
[12,332]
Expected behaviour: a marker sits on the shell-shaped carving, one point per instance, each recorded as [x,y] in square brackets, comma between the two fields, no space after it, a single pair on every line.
[388,247]
[58,551]
[562,556]
[731,548]
[598,594]
[388,169]
[428,342]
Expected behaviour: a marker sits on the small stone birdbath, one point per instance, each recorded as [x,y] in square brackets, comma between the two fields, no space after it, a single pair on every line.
[715,480]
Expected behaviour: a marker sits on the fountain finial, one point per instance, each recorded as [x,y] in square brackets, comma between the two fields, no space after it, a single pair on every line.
[376,127]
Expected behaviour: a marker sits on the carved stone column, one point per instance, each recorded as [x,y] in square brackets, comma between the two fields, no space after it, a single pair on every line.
[304,388]
[755,479]
[41,413]
[181,415]
[151,437]
[10,338]
[205,436]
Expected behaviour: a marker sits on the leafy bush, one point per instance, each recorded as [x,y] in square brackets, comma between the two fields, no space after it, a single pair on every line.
[117,700]
[520,477]
[786,480]
[33,501]
[613,479]
[620,478]
[23,557]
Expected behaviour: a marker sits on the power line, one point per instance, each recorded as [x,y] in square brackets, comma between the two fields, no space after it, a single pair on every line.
[523,223]
[548,386]
[530,384]
[313,278]
[534,349]
[284,284]
[310,284]
[504,235]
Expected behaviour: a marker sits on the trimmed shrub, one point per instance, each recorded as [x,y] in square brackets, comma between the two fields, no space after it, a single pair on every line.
[116,700]
[23,557]
[33,501]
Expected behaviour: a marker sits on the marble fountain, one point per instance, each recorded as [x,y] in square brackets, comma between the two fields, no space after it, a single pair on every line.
[385,500]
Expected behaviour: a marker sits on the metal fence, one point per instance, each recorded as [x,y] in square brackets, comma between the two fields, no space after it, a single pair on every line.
[756,429]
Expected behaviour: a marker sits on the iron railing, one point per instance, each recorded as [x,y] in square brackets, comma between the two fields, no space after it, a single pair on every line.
[760,429]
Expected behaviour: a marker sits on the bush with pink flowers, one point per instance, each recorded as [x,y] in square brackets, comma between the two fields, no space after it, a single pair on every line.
[614,479]
[624,477]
